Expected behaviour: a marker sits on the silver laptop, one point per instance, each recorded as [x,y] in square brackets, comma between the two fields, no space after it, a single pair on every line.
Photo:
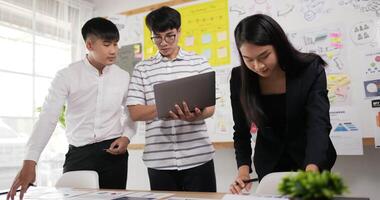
[197,91]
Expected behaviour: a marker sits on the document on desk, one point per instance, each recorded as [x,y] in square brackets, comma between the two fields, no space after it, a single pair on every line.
[48,193]
[151,195]
[187,198]
[123,195]
[45,193]
[252,197]
[98,195]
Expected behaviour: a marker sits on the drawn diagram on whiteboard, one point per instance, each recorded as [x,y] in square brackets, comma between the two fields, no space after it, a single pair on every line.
[328,43]
[284,9]
[373,67]
[339,86]
[364,6]
[120,22]
[238,9]
[311,9]
[364,33]
[262,7]
[133,30]
[245,8]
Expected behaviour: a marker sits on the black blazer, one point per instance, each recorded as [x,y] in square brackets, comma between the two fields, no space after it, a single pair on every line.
[307,129]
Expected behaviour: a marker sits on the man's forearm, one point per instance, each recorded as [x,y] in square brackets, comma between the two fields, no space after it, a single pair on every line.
[142,112]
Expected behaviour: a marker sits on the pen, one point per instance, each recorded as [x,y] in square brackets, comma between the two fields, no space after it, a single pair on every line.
[251,180]
[30,184]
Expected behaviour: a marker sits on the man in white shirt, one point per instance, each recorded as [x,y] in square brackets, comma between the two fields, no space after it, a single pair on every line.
[95,91]
[178,151]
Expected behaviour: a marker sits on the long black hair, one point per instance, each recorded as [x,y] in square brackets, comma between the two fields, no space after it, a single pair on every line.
[262,30]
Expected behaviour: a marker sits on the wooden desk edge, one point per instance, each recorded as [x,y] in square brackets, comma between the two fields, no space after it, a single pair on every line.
[368,141]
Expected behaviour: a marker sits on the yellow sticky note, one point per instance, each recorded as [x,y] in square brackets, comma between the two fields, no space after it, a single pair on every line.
[330,54]
[206,38]
[222,36]
[222,52]
[189,41]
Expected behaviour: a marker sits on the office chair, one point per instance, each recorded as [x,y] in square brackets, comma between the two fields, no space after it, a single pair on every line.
[79,179]
[269,184]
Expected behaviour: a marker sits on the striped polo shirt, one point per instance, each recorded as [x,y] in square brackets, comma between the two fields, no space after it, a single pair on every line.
[172,144]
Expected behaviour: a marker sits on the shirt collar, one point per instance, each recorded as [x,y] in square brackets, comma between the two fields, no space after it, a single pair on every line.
[180,55]
[92,68]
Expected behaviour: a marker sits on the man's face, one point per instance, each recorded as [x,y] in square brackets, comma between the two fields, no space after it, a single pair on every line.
[104,52]
[167,41]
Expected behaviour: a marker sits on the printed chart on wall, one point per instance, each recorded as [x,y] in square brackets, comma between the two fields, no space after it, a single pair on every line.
[329,42]
[221,122]
[371,87]
[204,30]
[365,37]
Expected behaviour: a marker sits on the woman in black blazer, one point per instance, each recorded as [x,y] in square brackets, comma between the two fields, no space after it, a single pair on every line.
[281,93]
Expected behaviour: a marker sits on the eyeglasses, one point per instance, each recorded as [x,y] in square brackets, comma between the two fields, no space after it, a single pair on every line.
[170,38]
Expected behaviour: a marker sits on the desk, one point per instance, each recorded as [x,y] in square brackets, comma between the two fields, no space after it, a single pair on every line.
[45,193]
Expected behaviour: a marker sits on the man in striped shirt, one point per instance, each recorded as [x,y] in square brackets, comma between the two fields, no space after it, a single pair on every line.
[178,151]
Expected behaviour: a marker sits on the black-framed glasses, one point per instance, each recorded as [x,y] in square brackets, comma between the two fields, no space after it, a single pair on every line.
[170,38]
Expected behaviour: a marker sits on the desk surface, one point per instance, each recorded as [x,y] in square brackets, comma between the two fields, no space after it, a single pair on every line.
[39,193]
[203,195]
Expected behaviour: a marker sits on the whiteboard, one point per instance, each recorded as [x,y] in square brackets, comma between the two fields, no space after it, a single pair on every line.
[346,33]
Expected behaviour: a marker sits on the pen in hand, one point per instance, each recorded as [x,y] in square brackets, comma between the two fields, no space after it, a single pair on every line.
[18,190]
[250,180]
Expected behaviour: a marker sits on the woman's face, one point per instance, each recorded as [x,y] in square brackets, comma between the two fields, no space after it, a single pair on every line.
[260,59]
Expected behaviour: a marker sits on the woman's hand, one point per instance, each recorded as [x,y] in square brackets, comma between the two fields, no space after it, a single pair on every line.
[312,168]
[238,185]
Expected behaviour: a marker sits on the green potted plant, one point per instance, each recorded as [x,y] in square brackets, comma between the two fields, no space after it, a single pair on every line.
[312,185]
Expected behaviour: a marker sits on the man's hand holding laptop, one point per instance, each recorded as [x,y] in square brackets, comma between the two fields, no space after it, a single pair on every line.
[185,114]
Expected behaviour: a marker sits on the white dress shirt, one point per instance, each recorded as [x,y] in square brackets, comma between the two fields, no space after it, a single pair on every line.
[95,104]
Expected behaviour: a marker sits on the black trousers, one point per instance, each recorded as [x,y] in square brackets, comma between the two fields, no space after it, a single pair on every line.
[112,170]
[197,179]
